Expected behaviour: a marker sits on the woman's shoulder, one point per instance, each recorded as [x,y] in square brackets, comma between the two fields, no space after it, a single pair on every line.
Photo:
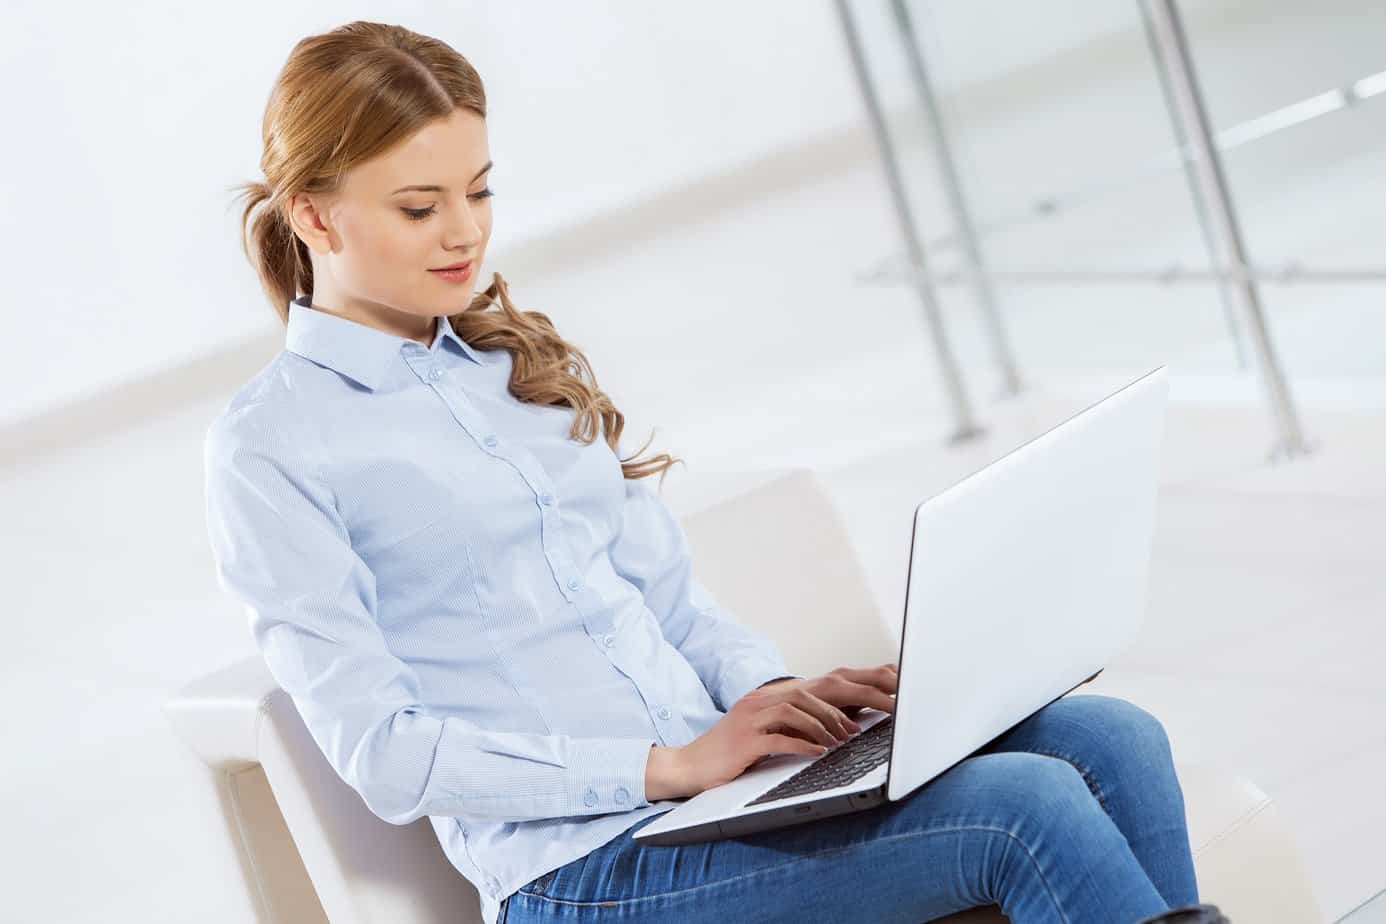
[268,409]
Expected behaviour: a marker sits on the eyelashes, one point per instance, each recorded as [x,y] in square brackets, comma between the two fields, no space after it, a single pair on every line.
[421,214]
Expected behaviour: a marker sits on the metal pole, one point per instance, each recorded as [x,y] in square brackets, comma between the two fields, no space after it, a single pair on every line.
[957,203]
[1173,56]
[1205,225]
[967,427]
[1251,130]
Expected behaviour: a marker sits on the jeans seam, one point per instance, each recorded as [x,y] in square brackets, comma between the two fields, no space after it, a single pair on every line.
[1088,776]
[608,903]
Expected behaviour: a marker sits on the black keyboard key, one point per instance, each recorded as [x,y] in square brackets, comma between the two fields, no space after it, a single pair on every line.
[849,761]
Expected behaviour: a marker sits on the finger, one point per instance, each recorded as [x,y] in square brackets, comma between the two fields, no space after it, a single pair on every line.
[828,713]
[785,744]
[884,677]
[786,716]
[848,691]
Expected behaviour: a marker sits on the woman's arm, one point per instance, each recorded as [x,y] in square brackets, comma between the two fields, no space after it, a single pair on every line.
[652,553]
[282,548]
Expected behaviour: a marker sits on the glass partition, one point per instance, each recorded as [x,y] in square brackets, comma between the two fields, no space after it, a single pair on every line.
[1050,163]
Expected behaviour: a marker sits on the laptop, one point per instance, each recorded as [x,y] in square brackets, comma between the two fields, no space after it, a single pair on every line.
[1024,580]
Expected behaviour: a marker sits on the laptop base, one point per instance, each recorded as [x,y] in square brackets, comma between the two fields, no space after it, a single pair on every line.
[801,812]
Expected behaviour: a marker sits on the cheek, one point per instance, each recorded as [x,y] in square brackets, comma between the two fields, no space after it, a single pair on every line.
[374,241]
[394,240]
[382,253]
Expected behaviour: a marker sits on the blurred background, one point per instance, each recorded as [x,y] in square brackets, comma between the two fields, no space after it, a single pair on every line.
[885,241]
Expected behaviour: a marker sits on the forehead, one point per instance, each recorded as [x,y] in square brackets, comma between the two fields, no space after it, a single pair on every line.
[445,152]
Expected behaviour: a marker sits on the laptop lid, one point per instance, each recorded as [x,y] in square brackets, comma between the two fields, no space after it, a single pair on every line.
[1025,578]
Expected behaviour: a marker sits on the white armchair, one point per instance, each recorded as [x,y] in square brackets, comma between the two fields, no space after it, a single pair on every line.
[777,556]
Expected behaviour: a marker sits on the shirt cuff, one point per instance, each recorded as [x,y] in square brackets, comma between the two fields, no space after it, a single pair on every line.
[609,774]
[744,676]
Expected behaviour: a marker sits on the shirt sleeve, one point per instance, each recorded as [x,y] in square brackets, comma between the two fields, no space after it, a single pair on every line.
[651,551]
[281,546]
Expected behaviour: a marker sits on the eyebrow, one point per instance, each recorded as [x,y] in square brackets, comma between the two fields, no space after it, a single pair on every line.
[441,188]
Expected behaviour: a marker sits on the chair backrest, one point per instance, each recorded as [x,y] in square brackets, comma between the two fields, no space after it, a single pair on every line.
[779,559]
[776,557]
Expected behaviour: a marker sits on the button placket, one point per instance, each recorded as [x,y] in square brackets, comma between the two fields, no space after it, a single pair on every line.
[555,553]
[524,463]
[549,525]
[476,426]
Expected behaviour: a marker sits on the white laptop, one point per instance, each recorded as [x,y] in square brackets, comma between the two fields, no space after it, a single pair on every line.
[1024,580]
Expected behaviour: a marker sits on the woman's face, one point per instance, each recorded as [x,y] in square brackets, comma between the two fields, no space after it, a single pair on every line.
[418,207]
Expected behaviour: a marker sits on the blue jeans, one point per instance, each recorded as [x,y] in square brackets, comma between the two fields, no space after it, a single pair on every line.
[1075,815]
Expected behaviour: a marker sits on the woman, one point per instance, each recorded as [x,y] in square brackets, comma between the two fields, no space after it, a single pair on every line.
[487,617]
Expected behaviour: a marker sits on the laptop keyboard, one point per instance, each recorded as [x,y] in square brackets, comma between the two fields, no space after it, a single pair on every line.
[849,761]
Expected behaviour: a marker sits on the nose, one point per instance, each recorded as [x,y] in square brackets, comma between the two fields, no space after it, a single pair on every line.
[464,231]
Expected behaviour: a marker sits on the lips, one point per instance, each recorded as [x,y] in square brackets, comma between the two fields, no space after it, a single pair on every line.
[455,266]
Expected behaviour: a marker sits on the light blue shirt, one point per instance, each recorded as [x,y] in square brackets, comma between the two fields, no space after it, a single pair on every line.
[480,619]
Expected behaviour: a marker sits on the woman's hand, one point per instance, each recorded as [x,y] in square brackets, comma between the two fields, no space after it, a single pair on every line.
[883,678]
[792,716]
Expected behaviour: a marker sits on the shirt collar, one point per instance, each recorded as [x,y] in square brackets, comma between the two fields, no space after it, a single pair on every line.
[359,351]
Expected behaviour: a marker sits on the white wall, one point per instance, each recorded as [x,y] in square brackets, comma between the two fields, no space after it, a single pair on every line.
[130,122]
[136,117]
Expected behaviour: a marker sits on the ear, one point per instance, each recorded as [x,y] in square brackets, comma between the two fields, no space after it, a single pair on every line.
[307,217]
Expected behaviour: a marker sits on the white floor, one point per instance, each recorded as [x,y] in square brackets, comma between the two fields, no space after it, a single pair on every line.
[740,334]
[1264,642]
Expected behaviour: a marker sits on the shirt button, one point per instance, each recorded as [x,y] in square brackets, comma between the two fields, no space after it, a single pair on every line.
[622,795]
[664,712]
[546,498]
[435,374]
[608,640]
[590,797]
[491,441]
[574,583]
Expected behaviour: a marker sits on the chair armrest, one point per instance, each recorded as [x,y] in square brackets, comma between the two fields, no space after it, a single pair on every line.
[1246,856]
[219,715]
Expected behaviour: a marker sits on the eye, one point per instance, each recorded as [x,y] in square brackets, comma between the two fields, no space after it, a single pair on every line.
[421,214]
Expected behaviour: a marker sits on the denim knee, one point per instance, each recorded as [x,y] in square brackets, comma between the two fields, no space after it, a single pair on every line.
[1059,791]
[1116,725]
[1021,790]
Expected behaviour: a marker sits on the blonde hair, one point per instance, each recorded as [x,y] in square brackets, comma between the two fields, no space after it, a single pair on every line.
[347,95]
